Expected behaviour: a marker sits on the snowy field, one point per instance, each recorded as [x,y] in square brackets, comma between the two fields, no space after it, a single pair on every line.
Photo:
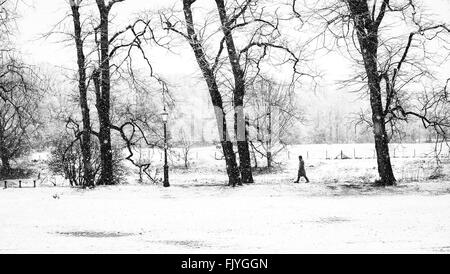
[338,212]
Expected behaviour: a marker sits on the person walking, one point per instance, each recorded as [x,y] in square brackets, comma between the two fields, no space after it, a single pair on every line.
[301,170]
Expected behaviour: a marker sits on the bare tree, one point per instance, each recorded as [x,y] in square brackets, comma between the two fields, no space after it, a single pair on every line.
[105,60]
[263,27]
[273,112]
[227,24]
[20,92]
[67,159]
[121,44]
[208,70]
[228,77]
[392,63]
[186,146]
[7,16]
[82,87]
[141,125]
[102,79]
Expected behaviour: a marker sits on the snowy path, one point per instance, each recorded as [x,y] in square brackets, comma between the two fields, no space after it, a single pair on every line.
[252,219]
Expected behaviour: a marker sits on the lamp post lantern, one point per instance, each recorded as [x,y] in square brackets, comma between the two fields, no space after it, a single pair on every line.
[165,118]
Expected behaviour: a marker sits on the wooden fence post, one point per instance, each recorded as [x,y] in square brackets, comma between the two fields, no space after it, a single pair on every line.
[6,184]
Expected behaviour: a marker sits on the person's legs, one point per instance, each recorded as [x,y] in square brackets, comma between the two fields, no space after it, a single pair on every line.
[298,178]
[307,180]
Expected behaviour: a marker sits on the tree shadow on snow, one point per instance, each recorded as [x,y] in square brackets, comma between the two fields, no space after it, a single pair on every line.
[94,234]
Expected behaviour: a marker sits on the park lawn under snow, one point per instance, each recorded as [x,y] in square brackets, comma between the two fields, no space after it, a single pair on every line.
[204,216]
[338,212]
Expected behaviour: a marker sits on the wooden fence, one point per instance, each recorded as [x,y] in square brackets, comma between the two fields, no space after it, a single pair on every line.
[19,184]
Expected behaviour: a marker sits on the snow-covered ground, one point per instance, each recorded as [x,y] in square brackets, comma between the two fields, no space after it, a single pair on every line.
[338,212]
[278,218]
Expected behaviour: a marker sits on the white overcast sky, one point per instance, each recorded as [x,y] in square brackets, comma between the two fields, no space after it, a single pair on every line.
[39,16]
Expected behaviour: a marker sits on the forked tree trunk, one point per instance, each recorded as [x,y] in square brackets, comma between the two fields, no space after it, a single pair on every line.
[216,98]
[103,105]
[88,179]
[239,93]
[367,32]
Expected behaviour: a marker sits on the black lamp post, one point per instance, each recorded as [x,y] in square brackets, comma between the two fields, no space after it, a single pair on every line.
[165,118]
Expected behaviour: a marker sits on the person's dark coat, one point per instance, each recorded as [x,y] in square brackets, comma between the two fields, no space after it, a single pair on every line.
[301,168]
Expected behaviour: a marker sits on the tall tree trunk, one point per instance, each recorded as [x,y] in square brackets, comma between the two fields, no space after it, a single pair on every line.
[216,98]
[382,147]
[239,93]
[379,127]
[6,166]
[243,146]
[225,140]
[4,154]
[86,135]
[367,32]
[103,106]
[269,133]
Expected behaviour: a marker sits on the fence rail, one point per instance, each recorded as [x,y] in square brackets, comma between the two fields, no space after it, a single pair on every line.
[334,152]
[342,155]
[19,184]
